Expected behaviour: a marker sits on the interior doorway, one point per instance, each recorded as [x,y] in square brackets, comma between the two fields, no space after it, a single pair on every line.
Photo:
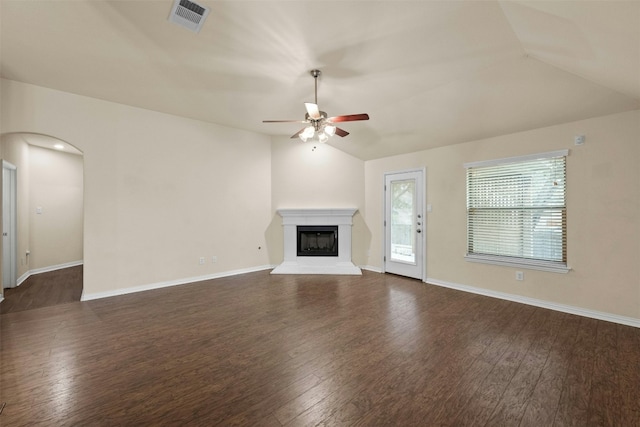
[48,209]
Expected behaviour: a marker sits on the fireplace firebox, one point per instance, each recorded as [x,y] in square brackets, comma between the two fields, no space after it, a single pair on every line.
[317,240]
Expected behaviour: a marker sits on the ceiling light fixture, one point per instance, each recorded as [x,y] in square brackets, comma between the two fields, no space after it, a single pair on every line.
[307,133]
[322,134]
[330,130]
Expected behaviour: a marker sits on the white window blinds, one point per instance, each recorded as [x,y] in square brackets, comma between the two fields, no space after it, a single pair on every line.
[516,211]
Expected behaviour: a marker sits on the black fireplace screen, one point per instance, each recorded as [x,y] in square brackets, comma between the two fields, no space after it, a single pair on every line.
[317,240]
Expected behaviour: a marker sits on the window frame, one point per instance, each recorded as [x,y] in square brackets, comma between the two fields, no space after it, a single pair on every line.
[513,261]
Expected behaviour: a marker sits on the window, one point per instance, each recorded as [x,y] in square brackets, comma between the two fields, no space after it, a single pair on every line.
[516,211]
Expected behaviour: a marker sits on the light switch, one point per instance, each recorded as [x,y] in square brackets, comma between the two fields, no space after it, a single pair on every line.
[39,210]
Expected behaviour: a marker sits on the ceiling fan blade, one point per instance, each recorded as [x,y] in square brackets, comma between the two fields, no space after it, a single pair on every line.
[341,132]
[312,110]
[285,121]
[348,118]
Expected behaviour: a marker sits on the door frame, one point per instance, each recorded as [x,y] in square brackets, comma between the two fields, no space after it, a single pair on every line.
[423,207]
[12,233]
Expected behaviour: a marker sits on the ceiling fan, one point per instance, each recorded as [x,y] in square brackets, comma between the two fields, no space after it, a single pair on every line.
[318,122]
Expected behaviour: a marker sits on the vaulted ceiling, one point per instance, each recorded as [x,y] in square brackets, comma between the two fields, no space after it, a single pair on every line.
[429,73]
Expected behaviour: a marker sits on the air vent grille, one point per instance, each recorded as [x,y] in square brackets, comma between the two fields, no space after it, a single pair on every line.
[188,14]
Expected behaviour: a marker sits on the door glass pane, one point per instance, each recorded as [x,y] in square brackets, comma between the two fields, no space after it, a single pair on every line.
[403,234]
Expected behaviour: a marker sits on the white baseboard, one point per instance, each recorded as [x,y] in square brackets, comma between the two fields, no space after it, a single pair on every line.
[159,285]
[27,274]
[371,268]
[623,320]
[22,278]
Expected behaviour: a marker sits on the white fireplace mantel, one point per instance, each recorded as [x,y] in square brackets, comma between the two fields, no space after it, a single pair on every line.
[294,264]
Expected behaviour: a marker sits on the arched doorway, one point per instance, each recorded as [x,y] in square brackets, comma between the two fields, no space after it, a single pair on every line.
[49,227]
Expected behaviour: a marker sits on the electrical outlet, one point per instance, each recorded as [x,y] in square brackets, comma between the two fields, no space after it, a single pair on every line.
[214,259]
[201,261]
[519,275]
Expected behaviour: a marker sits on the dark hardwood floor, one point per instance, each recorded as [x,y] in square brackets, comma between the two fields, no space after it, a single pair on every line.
[43,290]
[263,350]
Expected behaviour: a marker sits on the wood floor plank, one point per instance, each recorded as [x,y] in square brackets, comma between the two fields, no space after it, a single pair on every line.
[260,349]
[573,407]
[604,405]
[543,403]
[347,368]
[440,363]
[513,402]
[628,366]
[491,389]
[492,341]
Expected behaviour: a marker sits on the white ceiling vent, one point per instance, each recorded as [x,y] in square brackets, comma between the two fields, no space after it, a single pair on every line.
[188,14]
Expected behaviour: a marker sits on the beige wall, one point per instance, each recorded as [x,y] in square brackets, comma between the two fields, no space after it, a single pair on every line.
[160,191]
[603,203]
[55,185]
[322,178]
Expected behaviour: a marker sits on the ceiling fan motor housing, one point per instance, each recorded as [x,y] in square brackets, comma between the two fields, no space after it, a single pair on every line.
[316,122]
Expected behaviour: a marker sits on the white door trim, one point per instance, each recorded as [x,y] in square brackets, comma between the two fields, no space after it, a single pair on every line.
[9,260]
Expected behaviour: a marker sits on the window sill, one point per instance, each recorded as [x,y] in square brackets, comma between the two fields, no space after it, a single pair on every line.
[553,267]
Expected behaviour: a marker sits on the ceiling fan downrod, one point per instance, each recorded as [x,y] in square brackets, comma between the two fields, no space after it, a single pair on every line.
[315,74]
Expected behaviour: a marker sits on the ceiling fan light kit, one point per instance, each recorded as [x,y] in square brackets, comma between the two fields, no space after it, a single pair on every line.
[320,127]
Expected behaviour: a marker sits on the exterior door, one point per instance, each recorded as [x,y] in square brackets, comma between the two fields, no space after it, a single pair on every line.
[9,243]
[404,224]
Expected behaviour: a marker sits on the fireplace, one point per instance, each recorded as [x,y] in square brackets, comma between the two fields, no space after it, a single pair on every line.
[317,240]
